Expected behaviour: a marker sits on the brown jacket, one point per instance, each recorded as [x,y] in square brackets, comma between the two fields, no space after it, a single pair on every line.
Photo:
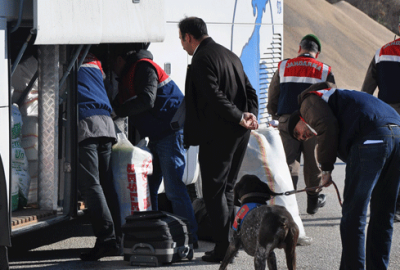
[317,113]
[370,82]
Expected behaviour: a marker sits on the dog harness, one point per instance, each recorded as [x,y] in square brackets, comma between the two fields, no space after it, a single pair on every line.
[241,214]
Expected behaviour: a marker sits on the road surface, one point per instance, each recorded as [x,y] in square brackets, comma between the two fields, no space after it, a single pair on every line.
[58,247]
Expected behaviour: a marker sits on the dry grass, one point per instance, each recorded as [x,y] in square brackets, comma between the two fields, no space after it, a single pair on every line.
[386,12]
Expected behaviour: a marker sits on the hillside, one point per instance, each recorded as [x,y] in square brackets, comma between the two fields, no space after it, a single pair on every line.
[349,37]
[385,12]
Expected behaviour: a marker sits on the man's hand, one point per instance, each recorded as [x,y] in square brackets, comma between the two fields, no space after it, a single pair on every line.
[326,179]
[249,121]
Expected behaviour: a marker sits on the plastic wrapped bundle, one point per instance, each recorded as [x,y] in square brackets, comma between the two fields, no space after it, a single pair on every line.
[130,166]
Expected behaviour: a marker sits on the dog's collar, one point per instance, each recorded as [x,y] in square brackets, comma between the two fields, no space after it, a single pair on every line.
[255,194]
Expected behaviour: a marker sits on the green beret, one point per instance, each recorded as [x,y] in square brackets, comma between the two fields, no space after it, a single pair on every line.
[313,38]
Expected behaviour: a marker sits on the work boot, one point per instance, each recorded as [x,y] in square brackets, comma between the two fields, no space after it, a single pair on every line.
[214,258]
[304,241]
[106,249]
[314,202]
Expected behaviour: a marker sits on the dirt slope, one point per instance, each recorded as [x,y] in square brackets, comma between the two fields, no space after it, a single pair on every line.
[349,37]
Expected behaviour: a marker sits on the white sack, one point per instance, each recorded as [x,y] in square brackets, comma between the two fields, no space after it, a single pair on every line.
[29,139]
[33,190]
[20,80]
[14,191]
[130,166]
[16,123]
[18,157]
[19,161]
[265,158]
[21,177]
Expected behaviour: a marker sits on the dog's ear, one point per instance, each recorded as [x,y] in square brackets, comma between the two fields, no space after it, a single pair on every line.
[267,190]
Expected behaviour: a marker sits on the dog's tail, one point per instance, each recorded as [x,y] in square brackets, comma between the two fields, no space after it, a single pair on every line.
[290,247]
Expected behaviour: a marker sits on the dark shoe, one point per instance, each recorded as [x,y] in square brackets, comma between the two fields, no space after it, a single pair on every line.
[195,245]
[396,217]
[321,200]
[102,250]
[304,241]
[4,258]
[211,252]
[314,202]
[212,257]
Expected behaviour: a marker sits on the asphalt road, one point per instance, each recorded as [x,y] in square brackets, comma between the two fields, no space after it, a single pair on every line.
[58,247]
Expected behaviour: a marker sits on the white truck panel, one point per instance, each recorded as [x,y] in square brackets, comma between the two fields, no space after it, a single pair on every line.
[223,11]
[5,147]
[94,22]
[3,64]
[5,136]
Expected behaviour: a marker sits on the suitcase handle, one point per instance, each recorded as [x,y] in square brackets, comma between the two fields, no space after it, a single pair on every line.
[143,246]
[183,251]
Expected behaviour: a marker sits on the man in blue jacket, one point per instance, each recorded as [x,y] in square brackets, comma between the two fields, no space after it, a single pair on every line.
[383,73]
[96,134]
[364,132]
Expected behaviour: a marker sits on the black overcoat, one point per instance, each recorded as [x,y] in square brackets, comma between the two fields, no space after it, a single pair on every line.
[217,92]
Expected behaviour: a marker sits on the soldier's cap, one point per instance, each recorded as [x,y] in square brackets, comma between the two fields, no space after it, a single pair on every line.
[314,38]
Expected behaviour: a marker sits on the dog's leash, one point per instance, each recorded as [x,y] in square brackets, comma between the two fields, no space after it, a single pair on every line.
[287,193]
[318,188]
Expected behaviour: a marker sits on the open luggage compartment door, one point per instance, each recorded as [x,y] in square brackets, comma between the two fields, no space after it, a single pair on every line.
[94,22]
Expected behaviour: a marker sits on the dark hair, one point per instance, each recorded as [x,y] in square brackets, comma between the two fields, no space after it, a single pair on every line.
[309,45]
[126,49]
[194,26]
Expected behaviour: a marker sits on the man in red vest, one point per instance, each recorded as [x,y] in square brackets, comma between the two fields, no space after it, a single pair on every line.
[292,77]
[150,98]
[383,72]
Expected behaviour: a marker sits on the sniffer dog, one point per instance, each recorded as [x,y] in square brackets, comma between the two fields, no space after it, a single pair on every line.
[263,228]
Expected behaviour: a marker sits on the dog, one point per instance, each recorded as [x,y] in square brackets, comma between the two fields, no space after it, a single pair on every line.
[264,227]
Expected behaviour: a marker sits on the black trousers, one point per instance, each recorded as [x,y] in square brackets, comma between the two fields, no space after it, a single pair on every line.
[97,189]
[3,258]
[220,161]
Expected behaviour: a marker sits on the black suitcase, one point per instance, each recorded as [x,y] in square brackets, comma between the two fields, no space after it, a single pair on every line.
[151,238]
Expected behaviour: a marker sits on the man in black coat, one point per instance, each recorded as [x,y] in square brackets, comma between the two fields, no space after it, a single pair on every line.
[221,109]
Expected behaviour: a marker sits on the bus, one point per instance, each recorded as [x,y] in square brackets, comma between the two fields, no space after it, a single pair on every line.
[40,42]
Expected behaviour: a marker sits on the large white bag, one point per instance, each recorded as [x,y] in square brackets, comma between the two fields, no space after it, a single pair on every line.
[130,166]
[20,80]
[265,158]
[19,161]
